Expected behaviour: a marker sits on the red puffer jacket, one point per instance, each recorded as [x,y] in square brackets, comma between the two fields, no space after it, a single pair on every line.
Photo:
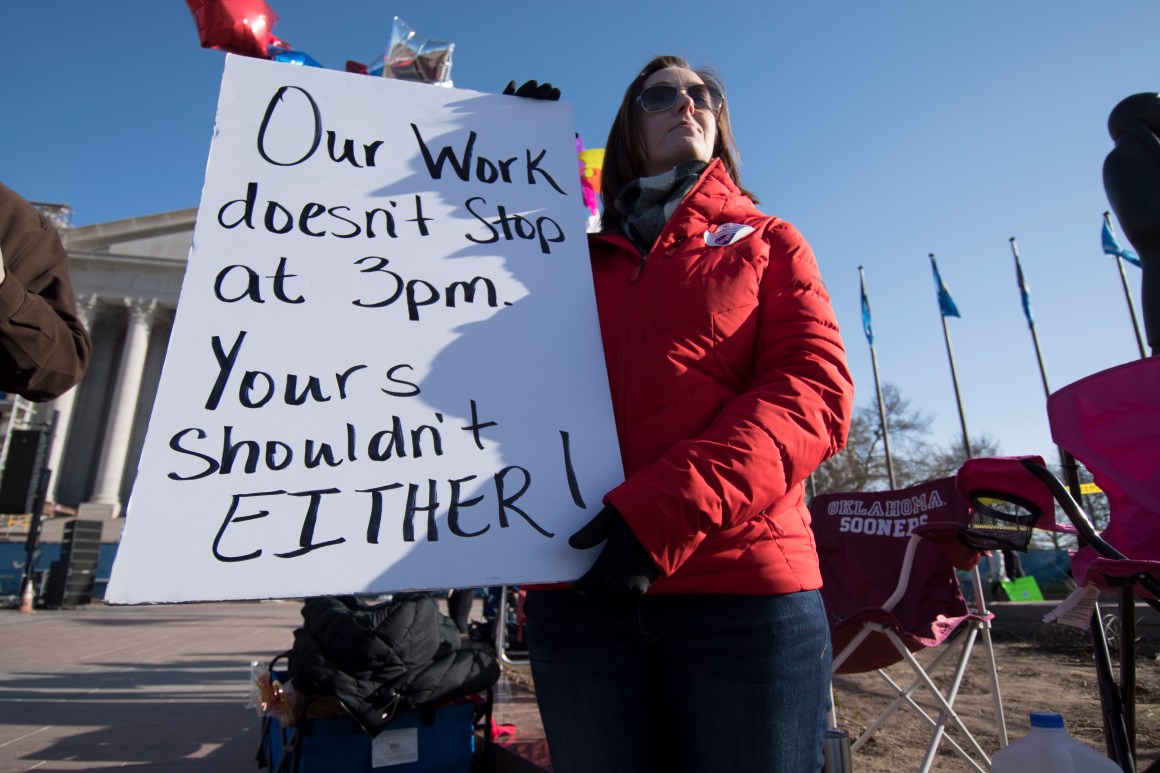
[729,386]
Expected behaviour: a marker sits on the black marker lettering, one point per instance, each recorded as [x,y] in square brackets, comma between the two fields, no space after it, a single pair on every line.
[457,503]
[306,541]
[175,444]
[413,507]
[508,502]
[225,366]
[317,128]
[462,166]
[235,500]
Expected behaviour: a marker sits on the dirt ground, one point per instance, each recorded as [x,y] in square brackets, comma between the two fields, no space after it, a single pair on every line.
[1052,672]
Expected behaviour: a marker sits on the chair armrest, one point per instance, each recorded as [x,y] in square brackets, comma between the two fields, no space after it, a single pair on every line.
[904,573]
[945,536]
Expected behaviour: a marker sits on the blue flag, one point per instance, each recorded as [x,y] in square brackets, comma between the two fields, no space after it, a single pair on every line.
[1112,247]
[869,331]
[946,304]
[1023,293]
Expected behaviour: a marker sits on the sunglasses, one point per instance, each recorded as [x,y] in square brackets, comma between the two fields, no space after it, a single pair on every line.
[661,97]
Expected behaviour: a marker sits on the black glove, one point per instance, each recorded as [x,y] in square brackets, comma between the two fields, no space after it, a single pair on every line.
[533,90]
[623,568]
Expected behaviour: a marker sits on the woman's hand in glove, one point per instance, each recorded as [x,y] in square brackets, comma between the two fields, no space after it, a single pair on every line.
[533,90]
[623,568]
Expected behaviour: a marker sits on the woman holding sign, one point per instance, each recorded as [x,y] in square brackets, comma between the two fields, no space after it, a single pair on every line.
[698,641]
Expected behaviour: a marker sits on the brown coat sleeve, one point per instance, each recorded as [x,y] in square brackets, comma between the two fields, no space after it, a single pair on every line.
[44,349]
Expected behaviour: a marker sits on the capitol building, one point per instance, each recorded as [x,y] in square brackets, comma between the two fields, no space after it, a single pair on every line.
[127,275]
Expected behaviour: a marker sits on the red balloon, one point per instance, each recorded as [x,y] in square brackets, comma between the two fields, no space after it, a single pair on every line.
[237,26]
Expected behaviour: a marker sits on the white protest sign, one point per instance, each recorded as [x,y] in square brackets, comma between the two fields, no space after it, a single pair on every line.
[385,370]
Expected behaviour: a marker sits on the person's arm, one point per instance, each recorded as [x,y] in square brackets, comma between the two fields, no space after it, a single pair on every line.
[44,349]
[1132,182]
[764,442]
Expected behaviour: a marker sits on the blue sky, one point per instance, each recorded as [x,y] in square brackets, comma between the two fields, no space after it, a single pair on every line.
[884,131]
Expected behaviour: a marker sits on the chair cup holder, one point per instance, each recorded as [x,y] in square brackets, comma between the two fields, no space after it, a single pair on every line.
[998,522]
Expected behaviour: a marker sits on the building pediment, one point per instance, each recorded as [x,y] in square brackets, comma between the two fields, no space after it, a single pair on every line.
[164,235]
[136,258]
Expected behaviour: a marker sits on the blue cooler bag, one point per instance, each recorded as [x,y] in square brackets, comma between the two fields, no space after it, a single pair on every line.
[431,740]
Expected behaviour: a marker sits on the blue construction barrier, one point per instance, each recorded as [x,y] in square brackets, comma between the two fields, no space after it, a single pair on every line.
[12,557]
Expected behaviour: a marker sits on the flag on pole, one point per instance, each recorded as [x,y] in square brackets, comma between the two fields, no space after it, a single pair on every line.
[869,331]
[1023,292]
[1112,247]
[946,304]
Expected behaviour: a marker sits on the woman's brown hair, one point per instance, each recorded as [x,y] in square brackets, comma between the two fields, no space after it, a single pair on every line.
[624,152]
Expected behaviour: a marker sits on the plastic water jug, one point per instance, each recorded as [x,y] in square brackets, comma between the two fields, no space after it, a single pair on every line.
[1049,749]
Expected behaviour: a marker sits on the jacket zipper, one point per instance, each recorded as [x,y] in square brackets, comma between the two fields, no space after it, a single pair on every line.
[622,349]
[636,274]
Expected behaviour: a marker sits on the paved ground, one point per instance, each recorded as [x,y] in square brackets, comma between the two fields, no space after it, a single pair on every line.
[155,688]
[165,687]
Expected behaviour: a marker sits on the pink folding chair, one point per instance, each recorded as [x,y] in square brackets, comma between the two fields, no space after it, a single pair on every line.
[891,589]
[1111,422]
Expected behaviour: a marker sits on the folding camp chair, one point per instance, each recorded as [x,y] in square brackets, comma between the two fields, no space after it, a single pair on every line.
[891,589]
[510,646]
[1111,422]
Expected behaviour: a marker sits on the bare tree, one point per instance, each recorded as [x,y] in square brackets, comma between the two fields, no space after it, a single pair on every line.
[861,466]
[947,459]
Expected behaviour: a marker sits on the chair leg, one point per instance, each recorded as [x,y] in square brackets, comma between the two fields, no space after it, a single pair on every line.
[501,647]
[993,668]
[946,710]
[839,659]
[1110,699]
[945,701]
[922,679]
[988,645]
[903,697]
[1128,662]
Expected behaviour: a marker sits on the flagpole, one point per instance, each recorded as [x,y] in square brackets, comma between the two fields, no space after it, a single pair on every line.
[877,382]
[1030,320]
[954,373]
[1127,292]
[1066,461]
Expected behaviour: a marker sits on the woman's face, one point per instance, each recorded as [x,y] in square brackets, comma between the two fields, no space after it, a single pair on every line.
[681,133]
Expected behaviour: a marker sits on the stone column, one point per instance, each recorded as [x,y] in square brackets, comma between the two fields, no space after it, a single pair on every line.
[119,428]
[63,405]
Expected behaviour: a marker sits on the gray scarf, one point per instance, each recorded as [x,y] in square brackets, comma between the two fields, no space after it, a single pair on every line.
[647,203]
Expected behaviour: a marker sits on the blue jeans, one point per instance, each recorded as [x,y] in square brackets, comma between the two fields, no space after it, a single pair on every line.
[695,683]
